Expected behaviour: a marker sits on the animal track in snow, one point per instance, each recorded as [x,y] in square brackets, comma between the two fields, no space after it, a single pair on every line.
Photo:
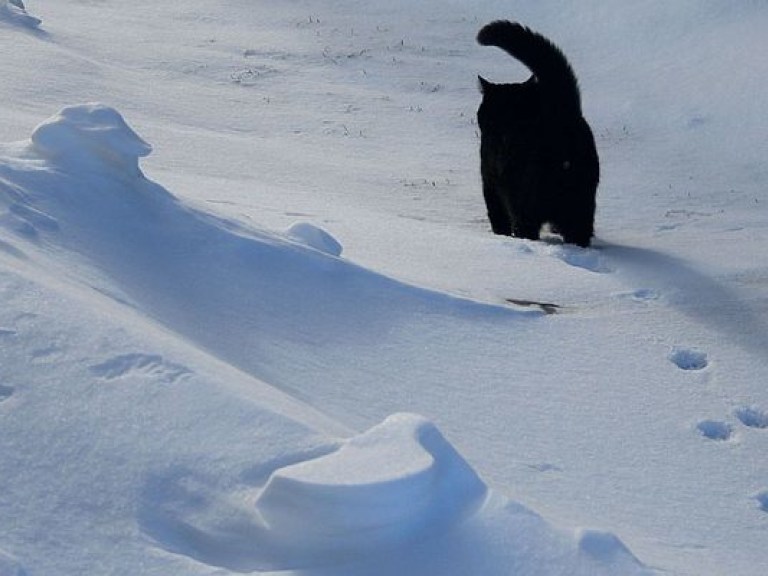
[752,416]
[587,258]
[152,365]
[715,430]
[687,359]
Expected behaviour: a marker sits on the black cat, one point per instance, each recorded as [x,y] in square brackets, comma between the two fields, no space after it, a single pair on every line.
[538,158]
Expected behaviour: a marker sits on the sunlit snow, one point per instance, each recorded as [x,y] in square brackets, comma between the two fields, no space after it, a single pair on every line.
[254,319]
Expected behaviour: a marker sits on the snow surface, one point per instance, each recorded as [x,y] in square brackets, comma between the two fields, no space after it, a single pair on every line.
[193,380]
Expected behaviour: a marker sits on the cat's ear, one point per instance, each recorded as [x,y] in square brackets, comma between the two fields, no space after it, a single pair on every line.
[485,86]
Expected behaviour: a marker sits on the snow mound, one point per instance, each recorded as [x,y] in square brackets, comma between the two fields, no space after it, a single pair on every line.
[15,12]
[380,488]
[315,237]
[90,134]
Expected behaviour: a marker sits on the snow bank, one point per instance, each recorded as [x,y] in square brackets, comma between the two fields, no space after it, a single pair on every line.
[380,488]
[15,12]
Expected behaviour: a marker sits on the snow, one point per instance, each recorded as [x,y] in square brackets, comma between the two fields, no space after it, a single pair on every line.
[752,416]
[762,499]
[79,135]
[686,359]
[14,12]
[379,490]
[254,320]
[315,237]
[715,430]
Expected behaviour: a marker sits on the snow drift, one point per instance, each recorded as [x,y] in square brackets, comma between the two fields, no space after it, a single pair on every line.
[164,352]
[378,493]
[79,188]
[382,488]
[395,499]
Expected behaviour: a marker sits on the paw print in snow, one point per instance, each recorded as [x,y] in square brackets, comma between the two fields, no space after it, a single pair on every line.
[687,359]
[752,416]
[715,430]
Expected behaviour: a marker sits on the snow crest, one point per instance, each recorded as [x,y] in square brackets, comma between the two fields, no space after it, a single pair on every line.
[399,482]
[379,488]
[315,237]
[91,135]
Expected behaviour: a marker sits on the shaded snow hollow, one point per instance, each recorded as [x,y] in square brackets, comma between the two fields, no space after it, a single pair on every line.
[398,498]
